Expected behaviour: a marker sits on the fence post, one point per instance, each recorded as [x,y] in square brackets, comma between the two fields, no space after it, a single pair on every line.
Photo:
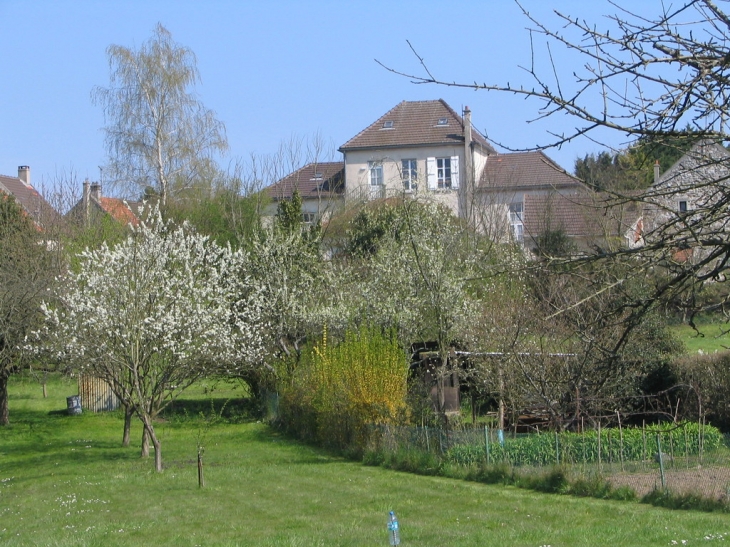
[557,449]
[621,440]
[661,459]
[643,439]
[428,445]
[486,441]
[599,447]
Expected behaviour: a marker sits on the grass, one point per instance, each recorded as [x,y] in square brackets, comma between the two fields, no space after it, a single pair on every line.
[65,480]
[712,337]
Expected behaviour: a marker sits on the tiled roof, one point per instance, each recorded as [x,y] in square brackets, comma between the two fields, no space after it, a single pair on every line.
[415,123]
[312,181]
[584,215]
[30,199]
[525,170]
[119,210]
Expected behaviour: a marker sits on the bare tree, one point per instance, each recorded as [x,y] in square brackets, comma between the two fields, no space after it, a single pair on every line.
[159,135]
[662,79]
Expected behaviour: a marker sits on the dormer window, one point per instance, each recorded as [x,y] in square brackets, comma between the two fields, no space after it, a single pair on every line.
[388,124]
[442,121]
[318,176]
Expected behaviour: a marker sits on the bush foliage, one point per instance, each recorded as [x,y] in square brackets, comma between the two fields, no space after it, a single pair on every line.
[339,389]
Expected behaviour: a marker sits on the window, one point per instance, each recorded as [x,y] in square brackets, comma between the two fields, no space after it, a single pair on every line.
[443,121]
[309,218]
[682,206]
[443,172]
[376,173]
[515,221]
[388,124]
[410,175]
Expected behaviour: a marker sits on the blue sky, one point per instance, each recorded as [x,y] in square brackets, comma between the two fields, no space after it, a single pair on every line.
[270,69]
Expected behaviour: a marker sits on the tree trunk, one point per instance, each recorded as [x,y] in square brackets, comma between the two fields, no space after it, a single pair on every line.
[128,413]
[4,416]
[145,443]
[155,442]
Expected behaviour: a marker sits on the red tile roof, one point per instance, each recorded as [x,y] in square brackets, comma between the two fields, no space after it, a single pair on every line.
[119,210]
[525,170]
[30,199]
[314,180]
[415,123]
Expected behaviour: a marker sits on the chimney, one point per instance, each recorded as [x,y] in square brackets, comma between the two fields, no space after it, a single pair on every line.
[24,174]
[96,192]
[85,202]
[467,185]
[656,171]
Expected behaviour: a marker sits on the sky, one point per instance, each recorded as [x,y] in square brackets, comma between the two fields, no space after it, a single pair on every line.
[273,70]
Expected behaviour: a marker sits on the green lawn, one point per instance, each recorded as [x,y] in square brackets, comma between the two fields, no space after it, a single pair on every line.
[65,481]
[711,337]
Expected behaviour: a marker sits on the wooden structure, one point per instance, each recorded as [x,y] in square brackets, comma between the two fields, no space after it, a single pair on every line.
[96,395]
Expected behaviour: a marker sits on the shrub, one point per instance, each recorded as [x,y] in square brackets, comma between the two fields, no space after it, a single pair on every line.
[340,390]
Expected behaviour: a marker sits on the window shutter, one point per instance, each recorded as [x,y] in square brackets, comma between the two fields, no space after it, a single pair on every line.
[454,172]
[431,173]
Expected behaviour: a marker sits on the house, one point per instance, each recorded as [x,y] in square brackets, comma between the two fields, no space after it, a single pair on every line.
[682,202]
[32,202]
[426,148]
[321,186]
[93,205]
[509,181]
[417,146]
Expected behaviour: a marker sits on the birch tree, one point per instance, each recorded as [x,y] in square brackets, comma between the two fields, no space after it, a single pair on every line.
[159,135]
[155,313]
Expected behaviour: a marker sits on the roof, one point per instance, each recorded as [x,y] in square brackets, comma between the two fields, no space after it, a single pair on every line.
[585,215]
[415,123]
[314,180]
[119,210]
[29,199]
[525,170]
[708,160]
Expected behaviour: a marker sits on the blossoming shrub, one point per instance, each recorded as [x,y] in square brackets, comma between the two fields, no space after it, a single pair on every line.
[339,389]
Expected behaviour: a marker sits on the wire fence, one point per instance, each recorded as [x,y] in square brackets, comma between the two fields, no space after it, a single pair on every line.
[688,458]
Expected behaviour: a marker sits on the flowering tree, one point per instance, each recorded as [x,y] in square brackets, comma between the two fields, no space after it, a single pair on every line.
[156,312]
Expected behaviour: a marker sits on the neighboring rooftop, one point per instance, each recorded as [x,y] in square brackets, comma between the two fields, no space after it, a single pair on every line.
[585,215]
[28,197]
[523,170]
[415,123]
[314,180]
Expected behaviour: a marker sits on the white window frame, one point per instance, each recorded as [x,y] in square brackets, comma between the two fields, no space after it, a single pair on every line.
[409,174]
[516,220]
[443,173]
[375,171]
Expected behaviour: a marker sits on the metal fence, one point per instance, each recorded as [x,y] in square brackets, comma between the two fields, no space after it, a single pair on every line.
[689,458]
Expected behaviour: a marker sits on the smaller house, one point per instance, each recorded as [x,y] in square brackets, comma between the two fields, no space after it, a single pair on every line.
[685,195]
[93,205]
[509,183]
[32,202]
[321,185]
